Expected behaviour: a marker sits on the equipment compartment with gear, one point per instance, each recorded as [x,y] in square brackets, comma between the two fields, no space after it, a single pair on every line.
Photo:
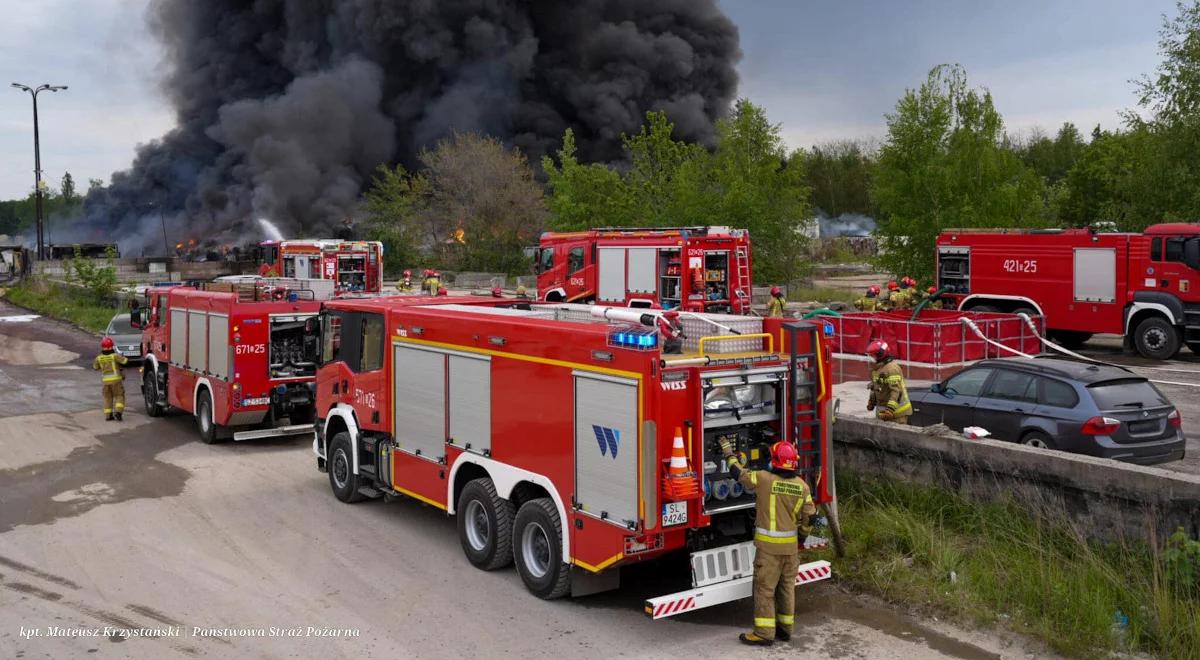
[743,408]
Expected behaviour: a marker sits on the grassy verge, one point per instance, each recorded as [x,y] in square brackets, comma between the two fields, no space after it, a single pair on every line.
[61,302]
[997,564]
[821,294]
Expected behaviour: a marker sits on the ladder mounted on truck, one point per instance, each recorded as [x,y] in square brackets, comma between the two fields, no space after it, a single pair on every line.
[804,396]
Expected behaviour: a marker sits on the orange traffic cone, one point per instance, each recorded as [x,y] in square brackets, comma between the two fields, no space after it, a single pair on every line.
[680,482]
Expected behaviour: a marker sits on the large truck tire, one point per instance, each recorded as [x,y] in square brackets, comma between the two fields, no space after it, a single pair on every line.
[150,393]
[1156,338]
[340,463]
[984,309]
[485,522]
[537,549]
[204,418]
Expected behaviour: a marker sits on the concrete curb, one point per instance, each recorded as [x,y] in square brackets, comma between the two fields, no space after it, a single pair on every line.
[1099,497]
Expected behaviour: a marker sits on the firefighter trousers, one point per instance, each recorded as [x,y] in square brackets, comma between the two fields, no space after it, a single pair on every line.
[114,397]
[774,593]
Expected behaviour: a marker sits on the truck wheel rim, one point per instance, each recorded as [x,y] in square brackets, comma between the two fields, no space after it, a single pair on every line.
[341,468]
[1036,442]
[205,417]
[1155,338]
[479,528]
[535,549]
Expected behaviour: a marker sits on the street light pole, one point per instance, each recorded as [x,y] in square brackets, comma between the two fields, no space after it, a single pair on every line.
[37,162]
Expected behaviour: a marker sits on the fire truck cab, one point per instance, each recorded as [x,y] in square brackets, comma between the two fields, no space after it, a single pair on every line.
[240,356]
[1145,286]
[700,269]
[548,431]
[353,266]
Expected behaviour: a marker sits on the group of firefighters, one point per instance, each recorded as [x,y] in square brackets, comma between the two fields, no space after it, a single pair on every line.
[784,506]
[901,294]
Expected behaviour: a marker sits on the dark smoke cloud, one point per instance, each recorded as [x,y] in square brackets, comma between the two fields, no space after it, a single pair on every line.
[285,107]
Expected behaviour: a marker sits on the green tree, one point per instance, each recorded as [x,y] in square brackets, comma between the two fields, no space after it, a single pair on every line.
[67,190]
[1052,158]
[473,206]
[942,166]
[99,280]
[584,195]
[839,174]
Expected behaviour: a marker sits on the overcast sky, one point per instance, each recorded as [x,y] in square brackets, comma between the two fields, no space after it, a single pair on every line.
[825,70]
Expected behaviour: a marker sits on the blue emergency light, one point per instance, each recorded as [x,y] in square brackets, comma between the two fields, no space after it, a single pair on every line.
[634,337]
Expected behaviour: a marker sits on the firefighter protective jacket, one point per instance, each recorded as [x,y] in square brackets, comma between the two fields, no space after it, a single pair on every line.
[784,503]
[775,307]
[888,388]
[109,364]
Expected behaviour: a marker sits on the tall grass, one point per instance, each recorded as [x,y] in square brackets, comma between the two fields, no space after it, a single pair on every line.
[63,302]
[1009,564]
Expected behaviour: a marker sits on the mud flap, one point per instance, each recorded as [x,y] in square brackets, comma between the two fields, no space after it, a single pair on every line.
[725,574]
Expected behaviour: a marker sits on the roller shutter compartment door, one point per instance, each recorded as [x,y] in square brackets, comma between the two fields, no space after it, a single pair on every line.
[1095,275]
[471,402]
[606,447]
[643,270]
[178,354]
[218,345]
[197,341]
[611,268]
[419,388]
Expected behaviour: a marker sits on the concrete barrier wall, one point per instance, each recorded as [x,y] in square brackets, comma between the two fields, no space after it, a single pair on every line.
[1101,498]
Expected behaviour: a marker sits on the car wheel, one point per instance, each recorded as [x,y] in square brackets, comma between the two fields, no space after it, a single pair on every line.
[485,523]
[342,479]
[150,393]
[1156,339]
[537,549]
[204,418]
[1037,439]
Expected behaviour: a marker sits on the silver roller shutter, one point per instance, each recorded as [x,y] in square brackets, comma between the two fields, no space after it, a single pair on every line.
[197,344]
[606,447]
[218,346]
[178,355]
[643,270]
[471,402]
[419,388]
[611,268]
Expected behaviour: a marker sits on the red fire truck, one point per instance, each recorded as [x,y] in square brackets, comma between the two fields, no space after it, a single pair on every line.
[354,266]
[549,433]
[236,355]
[1144,286]
[700,269]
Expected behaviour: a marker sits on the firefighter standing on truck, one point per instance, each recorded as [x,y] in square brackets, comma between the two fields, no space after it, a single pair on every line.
[783,506]
[109,364]
[889,393]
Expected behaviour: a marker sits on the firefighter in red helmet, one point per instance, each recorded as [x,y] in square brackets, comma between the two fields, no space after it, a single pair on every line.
[776,305]
[497,292]
[889,393]
[112,379]
[406,284]
[783,506]
[671,329]
[870,301]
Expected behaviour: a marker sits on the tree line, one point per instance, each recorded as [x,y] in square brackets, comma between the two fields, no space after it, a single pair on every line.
[18,217]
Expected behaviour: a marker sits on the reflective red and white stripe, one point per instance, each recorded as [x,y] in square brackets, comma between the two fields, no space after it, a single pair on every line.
[812,572]
[675,606]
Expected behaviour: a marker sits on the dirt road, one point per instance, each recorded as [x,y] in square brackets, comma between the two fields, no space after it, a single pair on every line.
[239,549]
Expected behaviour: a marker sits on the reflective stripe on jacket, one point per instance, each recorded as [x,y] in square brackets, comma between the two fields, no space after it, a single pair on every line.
[109,366]
[783,504]
[888,388]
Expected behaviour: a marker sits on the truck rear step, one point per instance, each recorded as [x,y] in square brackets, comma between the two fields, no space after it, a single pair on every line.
[725,574]
[295,429]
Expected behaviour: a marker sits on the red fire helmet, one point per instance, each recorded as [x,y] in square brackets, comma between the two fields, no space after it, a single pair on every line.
[776,291]
[106,344]
[784,456]
[877,349]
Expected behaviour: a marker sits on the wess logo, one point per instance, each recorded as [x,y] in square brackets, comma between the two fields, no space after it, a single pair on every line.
[674,385]
[608,439]
[250,349]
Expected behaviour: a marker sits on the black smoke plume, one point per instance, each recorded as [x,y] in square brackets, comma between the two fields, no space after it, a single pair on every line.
[285,107]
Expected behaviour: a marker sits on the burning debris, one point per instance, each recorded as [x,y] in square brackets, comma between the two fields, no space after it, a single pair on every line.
[286,107]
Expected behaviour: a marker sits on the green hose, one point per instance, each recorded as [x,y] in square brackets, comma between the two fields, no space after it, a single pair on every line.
[823,311]
[917,311]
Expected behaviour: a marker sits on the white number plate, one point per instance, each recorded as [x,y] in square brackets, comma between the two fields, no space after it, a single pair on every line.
[674,513]
[256,402]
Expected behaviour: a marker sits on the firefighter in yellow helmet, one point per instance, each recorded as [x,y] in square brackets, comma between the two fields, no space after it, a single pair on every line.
[889,393]
[109,364]
[776,305]
[783,506]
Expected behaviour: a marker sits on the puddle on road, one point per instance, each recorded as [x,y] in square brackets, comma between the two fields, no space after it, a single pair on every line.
[888,622]
[26,352]
[123,466]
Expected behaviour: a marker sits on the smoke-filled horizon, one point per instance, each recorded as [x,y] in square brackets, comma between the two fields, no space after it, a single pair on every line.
[286,107]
